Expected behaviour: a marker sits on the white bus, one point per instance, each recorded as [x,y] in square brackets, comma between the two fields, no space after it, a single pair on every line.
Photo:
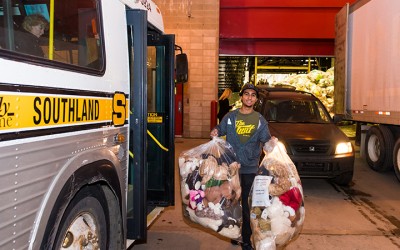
[86,124]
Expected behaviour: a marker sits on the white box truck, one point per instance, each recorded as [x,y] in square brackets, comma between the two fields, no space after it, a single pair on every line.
[367,77]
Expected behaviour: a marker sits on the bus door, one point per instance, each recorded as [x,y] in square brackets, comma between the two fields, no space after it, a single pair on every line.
[151,165]
[160,119]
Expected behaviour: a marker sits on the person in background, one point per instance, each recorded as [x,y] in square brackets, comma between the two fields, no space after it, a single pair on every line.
[223,103]
[246,131]
[27,40]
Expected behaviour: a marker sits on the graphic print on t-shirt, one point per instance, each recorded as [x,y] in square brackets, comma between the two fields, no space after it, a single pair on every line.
[246,125]
[243,129]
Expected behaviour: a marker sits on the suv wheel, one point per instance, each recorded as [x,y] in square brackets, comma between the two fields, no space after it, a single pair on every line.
[343,179]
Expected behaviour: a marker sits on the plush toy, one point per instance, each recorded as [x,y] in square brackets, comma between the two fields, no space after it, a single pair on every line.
[271,223]
[257,224]
[221,172]
[221,200]
[281,225]
[216,193]
[196,197]
[227,157]
[207,221]
[192,182]
[275,225]
[300,216]
[281,177]
[207,169]
[266,243]
[231,220]
[292,198]
[234,179]
[232,213]
[210,187]
[185,192]
[187,165]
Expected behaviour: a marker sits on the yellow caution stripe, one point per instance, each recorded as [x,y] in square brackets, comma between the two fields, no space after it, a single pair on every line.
[156,141]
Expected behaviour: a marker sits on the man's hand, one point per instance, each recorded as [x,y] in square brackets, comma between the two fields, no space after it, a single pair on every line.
[270,145]
[214,132]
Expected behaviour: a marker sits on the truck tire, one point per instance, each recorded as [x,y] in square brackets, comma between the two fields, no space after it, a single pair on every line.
[90,221]
[379,148]
[396,159]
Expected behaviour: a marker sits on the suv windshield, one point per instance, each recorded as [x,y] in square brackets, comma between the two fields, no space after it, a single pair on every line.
[305,111]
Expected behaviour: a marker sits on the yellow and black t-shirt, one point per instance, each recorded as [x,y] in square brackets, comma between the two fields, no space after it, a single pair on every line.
[246,125]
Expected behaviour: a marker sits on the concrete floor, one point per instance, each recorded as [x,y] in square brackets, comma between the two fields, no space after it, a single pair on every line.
[340,225]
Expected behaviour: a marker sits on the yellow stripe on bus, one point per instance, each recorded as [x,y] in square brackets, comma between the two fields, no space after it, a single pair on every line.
[29,111]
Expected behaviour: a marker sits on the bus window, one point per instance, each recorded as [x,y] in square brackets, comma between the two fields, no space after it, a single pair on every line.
[151,79]
[70,34]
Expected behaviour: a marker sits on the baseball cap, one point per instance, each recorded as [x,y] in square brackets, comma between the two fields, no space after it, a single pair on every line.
[249,86]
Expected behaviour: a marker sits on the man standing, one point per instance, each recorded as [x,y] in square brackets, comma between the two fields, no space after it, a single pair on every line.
[246,131]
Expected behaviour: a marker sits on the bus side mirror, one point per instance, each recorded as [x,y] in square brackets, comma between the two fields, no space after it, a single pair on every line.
[181,73]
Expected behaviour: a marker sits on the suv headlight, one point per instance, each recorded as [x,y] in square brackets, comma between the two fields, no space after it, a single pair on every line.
[343,148]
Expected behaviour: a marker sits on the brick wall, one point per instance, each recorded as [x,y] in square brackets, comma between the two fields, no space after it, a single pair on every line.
[196,28]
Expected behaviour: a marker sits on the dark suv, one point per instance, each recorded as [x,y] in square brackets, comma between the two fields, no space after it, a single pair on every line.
[312,140]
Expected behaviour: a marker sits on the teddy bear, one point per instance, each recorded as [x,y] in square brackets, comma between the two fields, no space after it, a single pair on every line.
[281,176]
[270,224]
[280,166]
[221,203]
[211,203]
[210,170]
[262,236]
[292,199]
[207,169]
[215,194]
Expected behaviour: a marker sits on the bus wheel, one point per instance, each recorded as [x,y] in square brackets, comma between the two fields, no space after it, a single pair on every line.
[379,148]
[396,158]
[83,225]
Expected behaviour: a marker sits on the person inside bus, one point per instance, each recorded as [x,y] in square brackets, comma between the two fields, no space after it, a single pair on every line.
[27,39]
[223,103]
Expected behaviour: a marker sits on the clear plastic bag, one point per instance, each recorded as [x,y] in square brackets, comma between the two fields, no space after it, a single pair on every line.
[276,200]
[210,187]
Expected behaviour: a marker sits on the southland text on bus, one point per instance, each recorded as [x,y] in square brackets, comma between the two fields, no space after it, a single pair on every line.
[28,111]
[55,110]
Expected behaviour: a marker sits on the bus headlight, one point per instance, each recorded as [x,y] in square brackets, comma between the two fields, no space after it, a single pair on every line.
[343,148]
